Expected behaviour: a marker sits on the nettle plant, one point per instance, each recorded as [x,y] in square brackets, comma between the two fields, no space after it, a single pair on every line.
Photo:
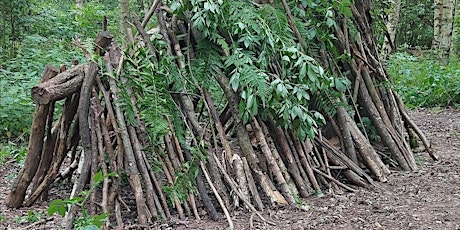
[257,50]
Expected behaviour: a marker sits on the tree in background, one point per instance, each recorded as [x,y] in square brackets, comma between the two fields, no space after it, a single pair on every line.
[455,34]
[12,26]
[392,22]
[415,28]
[443,28]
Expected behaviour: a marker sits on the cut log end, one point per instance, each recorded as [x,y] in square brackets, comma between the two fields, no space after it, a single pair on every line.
[40,95]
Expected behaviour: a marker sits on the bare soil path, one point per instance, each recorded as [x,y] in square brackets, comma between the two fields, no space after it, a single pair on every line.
[428,198]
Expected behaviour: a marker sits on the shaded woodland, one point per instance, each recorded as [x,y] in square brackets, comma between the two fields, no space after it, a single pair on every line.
[220,105]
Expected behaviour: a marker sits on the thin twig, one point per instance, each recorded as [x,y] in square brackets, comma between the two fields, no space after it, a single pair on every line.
[235,188]
[227,215]
[37,223]
[335,180]
[149,14]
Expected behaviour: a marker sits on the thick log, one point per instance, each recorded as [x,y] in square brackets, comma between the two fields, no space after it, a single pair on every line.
[272,164]
[18,192]
[60,86]
[37,134]
[68,113]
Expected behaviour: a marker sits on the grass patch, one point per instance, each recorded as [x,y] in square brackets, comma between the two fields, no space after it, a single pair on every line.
[426,81]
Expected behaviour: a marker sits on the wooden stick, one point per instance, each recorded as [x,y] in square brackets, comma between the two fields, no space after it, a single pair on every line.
[177,204]
[138,154]
[219,199]
[273,166]
[235,188]
[83,117]
[252,185]
[417,130]
[335,180]
[94,158]
[100,145]
[131,167]
[149,14]
[158,191]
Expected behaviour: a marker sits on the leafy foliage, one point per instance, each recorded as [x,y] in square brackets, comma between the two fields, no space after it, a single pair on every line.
[19,75]
[183,184]
[46,33]
[86,221]
[31,217]
[13,26]
[426,81]
[255,48]
[88,19]
[416,24]
[151,80]
[12,150]
[415,27]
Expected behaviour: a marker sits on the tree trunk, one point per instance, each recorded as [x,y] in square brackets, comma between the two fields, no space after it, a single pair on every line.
[125,27]
[444,13]
[389,45]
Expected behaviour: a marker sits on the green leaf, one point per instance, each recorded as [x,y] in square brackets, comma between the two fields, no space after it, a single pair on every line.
[285,58]
[330,22]
[98,177]
[311,133]
[311,73]
[234,81]
[99,220]
[311,33]
[58,206]
[347,11]
[339,84]
[301,134]
[250,101]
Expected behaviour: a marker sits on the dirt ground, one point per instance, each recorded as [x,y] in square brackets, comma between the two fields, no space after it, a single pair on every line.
[428,198]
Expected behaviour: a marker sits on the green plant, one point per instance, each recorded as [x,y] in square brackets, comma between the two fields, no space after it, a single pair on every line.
[20,74]
[426,81]
[11,150]
[151,80]
[419,160]
[2,218]
[31,217]
[37,44]
[88,19]
[13,26]
[184,183]
[86,221]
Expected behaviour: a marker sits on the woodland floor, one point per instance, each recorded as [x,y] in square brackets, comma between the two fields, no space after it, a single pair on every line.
[428,198]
